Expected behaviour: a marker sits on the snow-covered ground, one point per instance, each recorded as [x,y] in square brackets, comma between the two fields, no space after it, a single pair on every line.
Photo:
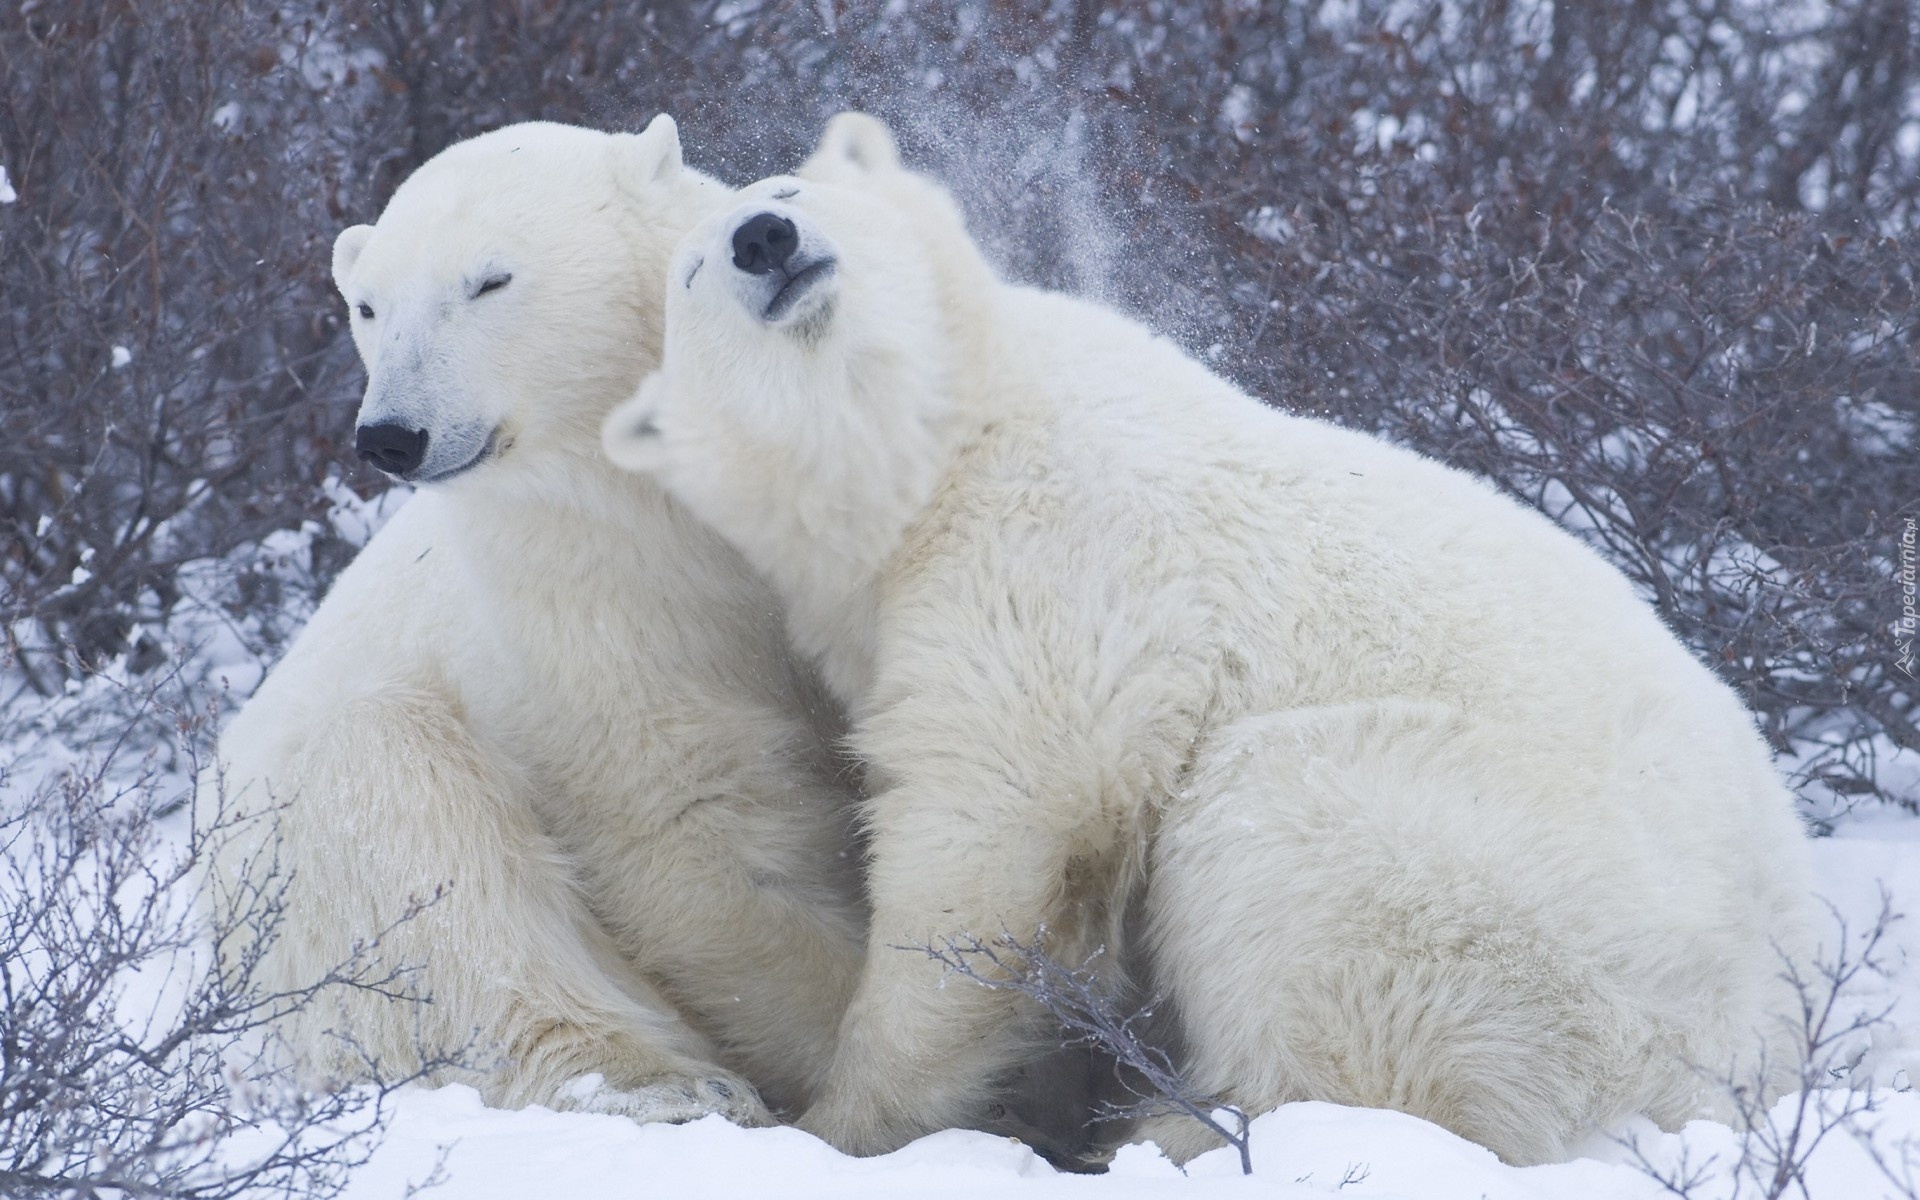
[467,1151]
[1302,1150]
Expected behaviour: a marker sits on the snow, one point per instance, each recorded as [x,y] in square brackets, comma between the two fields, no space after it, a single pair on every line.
[1306,1150]
[1299,1151]
[1302,1150]
[1237,112]
[121,357]
[7,194]
[1269,224]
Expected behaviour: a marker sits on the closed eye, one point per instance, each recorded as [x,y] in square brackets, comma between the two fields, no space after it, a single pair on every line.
[786,193]
[697,264]
[492,283]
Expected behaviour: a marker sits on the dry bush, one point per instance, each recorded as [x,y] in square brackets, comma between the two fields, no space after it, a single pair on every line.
[1834,1101]
[1639,269]
[171,381]
[128,1065]
[1092,1012]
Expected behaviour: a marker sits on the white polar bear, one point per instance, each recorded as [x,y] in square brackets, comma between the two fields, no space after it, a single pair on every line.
[1400,794]
[545,684]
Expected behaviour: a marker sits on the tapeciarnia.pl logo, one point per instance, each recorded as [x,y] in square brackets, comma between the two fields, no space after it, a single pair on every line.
[1904,627]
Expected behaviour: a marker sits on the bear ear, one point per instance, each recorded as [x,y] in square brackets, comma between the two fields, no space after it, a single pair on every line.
[630,435]
[649,158]
[346,252]
[854,143]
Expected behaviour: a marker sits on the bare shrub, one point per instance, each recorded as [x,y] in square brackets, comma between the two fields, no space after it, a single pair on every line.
[170,378]
[1090,1014]
[1722,403]
[1636,271]
[128,1063]
[1775,1144]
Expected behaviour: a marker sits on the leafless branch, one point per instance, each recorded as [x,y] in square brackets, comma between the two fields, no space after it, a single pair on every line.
[1089,1014]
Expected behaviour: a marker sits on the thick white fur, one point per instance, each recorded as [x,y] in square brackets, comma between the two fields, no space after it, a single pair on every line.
[543,684]
[1416,803]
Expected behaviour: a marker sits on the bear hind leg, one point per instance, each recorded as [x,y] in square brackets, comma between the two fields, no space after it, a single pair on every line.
[1339,910]
[390,805]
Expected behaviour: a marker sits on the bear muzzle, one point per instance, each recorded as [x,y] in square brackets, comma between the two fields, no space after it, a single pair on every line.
[781,264]
[392,447]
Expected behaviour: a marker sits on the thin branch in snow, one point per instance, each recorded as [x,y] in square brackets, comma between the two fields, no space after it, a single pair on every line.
[1089,1015]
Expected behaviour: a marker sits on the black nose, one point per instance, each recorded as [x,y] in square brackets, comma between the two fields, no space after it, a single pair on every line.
[393,448]
[763,243]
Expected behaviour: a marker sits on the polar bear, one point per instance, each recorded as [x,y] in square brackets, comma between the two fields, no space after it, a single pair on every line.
[1395,791]
[545,688]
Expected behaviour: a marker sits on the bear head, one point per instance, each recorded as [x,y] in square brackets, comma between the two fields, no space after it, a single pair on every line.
[824,335]
[511,293]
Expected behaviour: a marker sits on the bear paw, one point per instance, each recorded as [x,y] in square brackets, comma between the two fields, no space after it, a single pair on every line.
[671,1099]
